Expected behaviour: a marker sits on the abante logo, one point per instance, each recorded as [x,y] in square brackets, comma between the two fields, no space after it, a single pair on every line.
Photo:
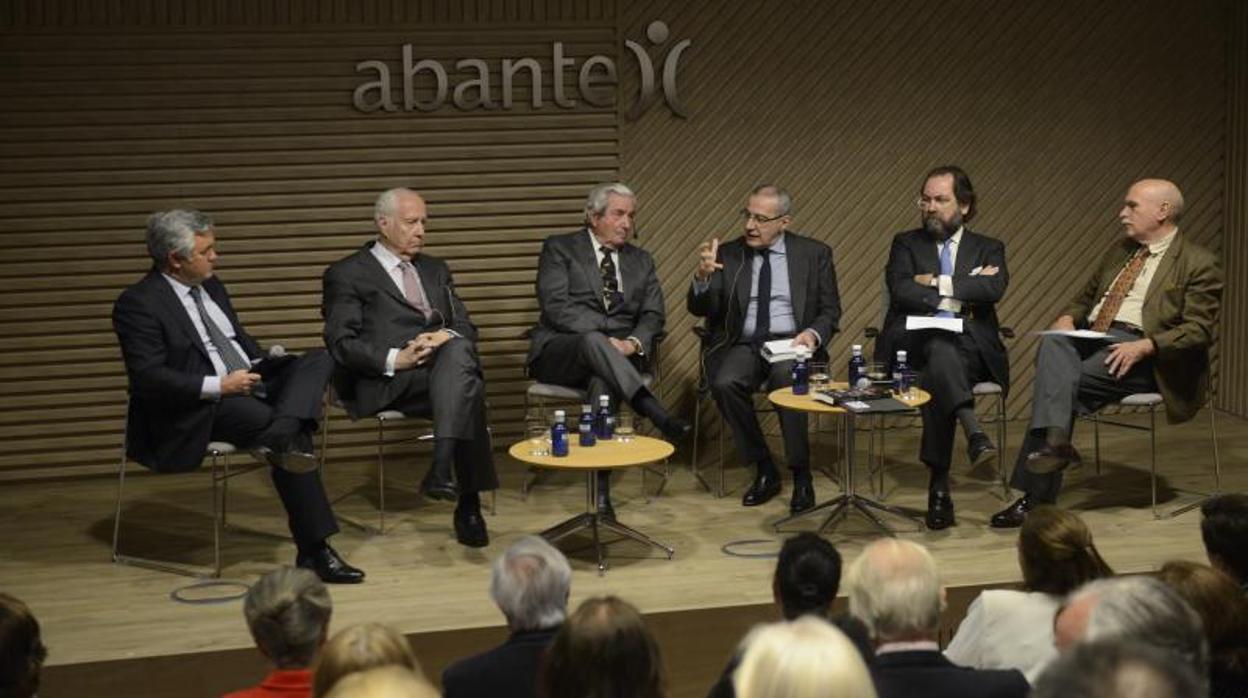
[596,82]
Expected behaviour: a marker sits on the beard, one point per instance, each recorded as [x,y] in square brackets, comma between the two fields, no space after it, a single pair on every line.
[939,229]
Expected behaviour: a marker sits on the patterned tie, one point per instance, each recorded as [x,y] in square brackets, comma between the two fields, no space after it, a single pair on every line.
[946,268]
[762,321]
[1118,292]
[413,290]
[610,283]
[225,348]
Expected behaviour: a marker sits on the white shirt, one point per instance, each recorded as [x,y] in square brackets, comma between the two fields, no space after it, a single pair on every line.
[1007,629]
[1132,309]
[944,282]
[210,389]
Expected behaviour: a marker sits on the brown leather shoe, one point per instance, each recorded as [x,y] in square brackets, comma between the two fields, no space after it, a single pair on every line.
[1052,459]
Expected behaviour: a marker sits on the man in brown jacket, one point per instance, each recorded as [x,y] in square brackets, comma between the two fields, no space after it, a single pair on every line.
[1155,297]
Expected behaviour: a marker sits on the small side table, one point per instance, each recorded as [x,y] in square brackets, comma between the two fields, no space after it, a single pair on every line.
[605,455]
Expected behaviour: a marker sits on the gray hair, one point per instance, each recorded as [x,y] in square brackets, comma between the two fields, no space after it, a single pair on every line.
[530,584]
[1144,609]
[596,202]
[894,588]
[784,202]
[175,231]
[388,200]
[1118,669]
[287,611]
[804,658]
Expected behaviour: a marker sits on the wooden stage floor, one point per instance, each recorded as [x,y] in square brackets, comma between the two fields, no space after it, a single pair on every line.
[55,550]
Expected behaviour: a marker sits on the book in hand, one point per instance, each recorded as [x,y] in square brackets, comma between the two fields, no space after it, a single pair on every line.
[778,350]
[869,399]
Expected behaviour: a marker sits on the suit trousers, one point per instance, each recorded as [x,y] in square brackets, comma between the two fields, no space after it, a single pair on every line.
[951,365]
[297,391]
[735,373]
[450,390]
[590,362]
[1071,377]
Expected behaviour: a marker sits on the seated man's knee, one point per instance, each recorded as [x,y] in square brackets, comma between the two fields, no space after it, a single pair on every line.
[725,383]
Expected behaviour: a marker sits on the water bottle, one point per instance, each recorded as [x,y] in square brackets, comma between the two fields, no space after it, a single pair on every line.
[559,435]
[586,426]
[901,374]
[606,421]
[858,368]
[801,373]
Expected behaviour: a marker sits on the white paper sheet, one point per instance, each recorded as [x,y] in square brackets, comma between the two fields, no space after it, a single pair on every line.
[928,322]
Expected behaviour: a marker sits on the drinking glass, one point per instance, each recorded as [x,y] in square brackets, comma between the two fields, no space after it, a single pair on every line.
[538,435]
[877,373]
[819,377]
[624,427]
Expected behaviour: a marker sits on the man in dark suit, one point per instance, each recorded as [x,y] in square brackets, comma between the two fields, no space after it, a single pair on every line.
[894,588]
[768,284]
[1155,296]
[196,375]
[945,270]
[530,585]
[601,313]
[403,341]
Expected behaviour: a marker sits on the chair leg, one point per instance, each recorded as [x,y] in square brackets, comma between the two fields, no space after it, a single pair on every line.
[121,486]
[219,483]
[1217,461]
[381,475]
[719,488]
[697,433]
[1096,441]
[1001,449]
[1152,455]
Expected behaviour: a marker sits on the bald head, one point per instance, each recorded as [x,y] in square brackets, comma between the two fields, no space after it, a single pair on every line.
[1151,209]
[894,588]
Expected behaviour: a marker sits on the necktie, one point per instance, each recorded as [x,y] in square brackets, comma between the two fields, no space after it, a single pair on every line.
[1118,292]
[225,348]
[610,283]
[946,268]
[762,320]
[413,290]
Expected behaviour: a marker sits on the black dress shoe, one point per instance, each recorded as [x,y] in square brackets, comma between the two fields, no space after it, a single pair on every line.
[1013,515]
[434,486]
[329,566]
[979,448]
[676,430]
[470,528]
[939,510]
[1052,459]
[803,496]
[764,487]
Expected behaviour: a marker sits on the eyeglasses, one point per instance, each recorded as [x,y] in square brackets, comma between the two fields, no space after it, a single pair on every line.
[759,220]
[927,201]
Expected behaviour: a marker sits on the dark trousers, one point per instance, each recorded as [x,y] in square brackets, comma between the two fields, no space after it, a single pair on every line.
[735,373]
[950,366]
[1071,377]
[450,390]
[589,362]
[298,391]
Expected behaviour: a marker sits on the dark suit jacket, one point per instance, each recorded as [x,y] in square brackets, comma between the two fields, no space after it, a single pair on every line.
[166,361]
[914,252]
[507,670]
[569,291]
[930,675]
[366,316]
[812,285]
[1180,313]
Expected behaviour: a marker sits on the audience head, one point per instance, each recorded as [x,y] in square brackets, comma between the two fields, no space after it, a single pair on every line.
[1056,553]
[1118,669]
[383,682]
[530,584]
[603,650]
[1221,605]
[1133,609]
[361,647]
[287,611]
[804,658]
[807,577]
[182,244]
[1224,528]
[21,649]
[894,588]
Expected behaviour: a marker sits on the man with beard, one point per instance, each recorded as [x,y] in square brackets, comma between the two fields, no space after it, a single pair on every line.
[1155,296]
[945,270]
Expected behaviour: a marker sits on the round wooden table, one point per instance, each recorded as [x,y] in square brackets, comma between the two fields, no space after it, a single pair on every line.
[849,500]
[605,455]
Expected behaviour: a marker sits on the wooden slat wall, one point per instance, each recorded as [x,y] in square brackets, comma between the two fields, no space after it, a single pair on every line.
[243,109]
[1233,378]
[1053,108]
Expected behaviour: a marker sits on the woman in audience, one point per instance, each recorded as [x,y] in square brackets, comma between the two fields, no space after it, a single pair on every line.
[603,650]
[1008,629]
[804,658]
[21,649]
[1223,612]
[383,682]
[361,647]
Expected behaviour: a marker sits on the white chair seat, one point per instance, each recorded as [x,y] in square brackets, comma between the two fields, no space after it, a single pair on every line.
[387,415]
[986,388]
[220,448]
[1141,400]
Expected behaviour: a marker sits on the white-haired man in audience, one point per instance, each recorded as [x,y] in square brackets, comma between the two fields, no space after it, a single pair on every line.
[1117,669]
[1136,609]
[530,585]
[894,588]
[288,612]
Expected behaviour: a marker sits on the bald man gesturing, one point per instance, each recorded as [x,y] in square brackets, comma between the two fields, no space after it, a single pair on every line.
[1156,296]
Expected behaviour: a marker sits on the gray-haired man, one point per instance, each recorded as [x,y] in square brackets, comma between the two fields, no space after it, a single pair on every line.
[530,585]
